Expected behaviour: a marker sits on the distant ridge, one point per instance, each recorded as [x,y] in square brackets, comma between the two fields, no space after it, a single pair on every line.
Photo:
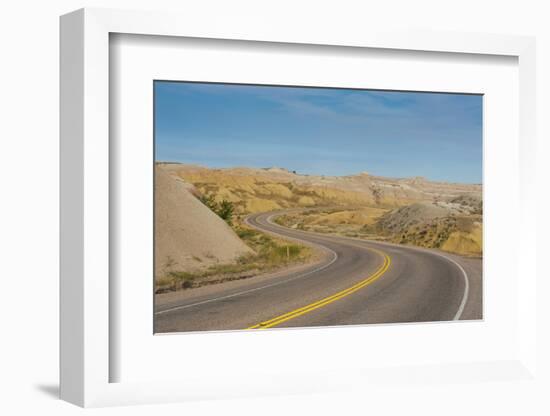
[271,188]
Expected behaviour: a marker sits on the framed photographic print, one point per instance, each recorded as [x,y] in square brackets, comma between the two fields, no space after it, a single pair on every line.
[245,213]
[266,216]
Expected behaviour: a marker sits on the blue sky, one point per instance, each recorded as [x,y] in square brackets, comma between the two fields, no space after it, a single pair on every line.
[320,131]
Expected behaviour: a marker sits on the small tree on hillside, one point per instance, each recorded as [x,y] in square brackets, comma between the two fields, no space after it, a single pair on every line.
[210,202]
[226,210]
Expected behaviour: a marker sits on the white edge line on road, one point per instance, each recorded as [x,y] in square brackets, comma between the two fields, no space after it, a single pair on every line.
[464,274]
[334,258]
[466,286]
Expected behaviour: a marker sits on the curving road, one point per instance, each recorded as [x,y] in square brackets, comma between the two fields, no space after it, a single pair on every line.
[355,282]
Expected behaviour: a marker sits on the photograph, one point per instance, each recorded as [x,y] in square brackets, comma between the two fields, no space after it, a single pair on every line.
[296,206]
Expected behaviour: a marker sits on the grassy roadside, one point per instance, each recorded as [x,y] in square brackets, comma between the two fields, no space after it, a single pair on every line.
[270,253]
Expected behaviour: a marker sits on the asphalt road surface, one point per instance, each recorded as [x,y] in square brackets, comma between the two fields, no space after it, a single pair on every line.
[355,282]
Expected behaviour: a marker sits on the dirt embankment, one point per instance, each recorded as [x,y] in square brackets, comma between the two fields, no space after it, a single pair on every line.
[455,225]
[188,235]
[449,226]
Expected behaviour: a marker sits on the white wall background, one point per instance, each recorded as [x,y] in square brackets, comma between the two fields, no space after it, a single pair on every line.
[29,204]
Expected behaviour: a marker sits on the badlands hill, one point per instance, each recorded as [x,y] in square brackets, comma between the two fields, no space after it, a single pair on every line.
[188,236]
[454,226]
[449,226]
[408,211]
[257,190]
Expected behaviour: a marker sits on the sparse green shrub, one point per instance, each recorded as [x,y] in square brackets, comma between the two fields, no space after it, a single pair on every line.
[209,201]
[245,233]
[225,211]
[269,253]
[182,276]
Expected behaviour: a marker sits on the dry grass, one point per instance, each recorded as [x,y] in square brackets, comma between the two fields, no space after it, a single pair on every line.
[269,254]
[456,233]
[347,221]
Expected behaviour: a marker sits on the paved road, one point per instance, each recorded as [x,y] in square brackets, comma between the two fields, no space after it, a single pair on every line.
[355,282]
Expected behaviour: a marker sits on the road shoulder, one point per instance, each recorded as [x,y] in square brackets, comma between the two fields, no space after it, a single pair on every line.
[170,299]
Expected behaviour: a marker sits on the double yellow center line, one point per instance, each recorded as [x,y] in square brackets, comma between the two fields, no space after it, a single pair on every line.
[328,300]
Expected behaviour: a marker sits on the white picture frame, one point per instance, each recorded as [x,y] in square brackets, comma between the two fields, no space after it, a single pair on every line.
[86,355]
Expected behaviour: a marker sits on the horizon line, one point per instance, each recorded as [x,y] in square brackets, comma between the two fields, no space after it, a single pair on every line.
[296,172]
